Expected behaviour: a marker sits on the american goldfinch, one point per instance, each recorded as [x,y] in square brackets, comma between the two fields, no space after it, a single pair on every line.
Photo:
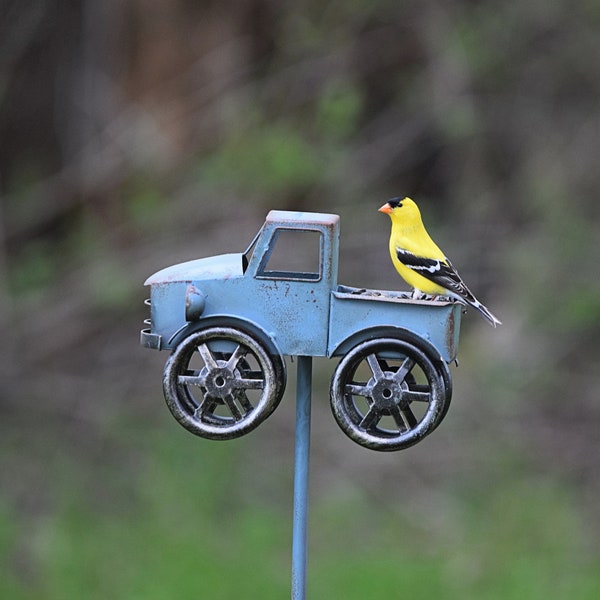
[420,262]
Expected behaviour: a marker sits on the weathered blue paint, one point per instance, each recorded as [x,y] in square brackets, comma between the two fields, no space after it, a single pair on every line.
[224,266]
[303,313]
[301,479]
[354,312]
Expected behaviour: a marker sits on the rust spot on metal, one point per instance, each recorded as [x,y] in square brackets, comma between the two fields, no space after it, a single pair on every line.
[450,327]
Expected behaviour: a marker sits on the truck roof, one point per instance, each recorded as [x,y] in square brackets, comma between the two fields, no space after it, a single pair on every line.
[305,218]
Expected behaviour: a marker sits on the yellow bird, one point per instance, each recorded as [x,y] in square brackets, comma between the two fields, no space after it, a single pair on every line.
[420,262]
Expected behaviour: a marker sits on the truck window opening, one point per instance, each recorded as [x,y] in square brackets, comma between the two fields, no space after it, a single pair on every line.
[294,254]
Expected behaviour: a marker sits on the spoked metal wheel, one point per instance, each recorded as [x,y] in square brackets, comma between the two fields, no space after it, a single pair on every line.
[388,394]
[221,382]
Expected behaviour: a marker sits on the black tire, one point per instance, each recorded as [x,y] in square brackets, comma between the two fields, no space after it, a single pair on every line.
[388,394]
[222,382]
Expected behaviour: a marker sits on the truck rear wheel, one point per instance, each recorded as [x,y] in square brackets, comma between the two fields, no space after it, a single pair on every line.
[388,393]
[222,382]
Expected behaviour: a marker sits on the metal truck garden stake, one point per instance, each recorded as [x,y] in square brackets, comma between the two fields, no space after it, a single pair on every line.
[229,321]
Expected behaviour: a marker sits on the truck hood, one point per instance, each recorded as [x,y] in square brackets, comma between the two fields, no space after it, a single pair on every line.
[224,266]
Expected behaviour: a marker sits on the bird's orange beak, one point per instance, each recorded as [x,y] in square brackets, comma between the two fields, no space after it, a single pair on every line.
[386,208]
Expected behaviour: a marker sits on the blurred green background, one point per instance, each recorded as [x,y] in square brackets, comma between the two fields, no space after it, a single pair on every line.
[135,134]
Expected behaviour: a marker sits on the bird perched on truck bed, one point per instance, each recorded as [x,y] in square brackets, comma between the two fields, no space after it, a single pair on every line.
[420,262]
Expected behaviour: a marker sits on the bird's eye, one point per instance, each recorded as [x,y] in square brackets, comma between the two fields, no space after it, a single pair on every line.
[395,202]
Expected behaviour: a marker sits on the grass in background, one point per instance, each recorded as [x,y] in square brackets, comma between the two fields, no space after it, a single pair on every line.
[181,528]
[508,541]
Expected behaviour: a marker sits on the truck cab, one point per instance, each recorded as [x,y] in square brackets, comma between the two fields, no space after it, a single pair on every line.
[281,284]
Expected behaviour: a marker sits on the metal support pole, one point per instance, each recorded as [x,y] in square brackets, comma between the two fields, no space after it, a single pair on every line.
[301,464]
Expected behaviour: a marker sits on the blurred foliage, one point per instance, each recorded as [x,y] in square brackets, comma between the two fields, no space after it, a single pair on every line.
[265,159]
[136,134]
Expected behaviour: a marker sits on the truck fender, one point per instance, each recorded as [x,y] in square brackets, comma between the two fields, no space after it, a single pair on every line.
[387,331]
[248,327]
[382,331]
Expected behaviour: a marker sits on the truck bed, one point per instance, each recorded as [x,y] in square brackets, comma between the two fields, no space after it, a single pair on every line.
[344,291]
[355,310]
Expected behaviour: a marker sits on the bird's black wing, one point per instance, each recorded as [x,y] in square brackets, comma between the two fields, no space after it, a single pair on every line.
[439,271]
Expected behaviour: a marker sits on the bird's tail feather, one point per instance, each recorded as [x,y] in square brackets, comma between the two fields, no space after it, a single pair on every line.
[493,321]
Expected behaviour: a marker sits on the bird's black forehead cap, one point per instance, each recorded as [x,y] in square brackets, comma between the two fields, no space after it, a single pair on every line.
[395,202]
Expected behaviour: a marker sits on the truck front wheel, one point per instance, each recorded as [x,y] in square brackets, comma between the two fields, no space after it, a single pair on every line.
[388,394]
[222,382]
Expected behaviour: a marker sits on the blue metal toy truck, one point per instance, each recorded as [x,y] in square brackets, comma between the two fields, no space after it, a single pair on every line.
[229,321]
